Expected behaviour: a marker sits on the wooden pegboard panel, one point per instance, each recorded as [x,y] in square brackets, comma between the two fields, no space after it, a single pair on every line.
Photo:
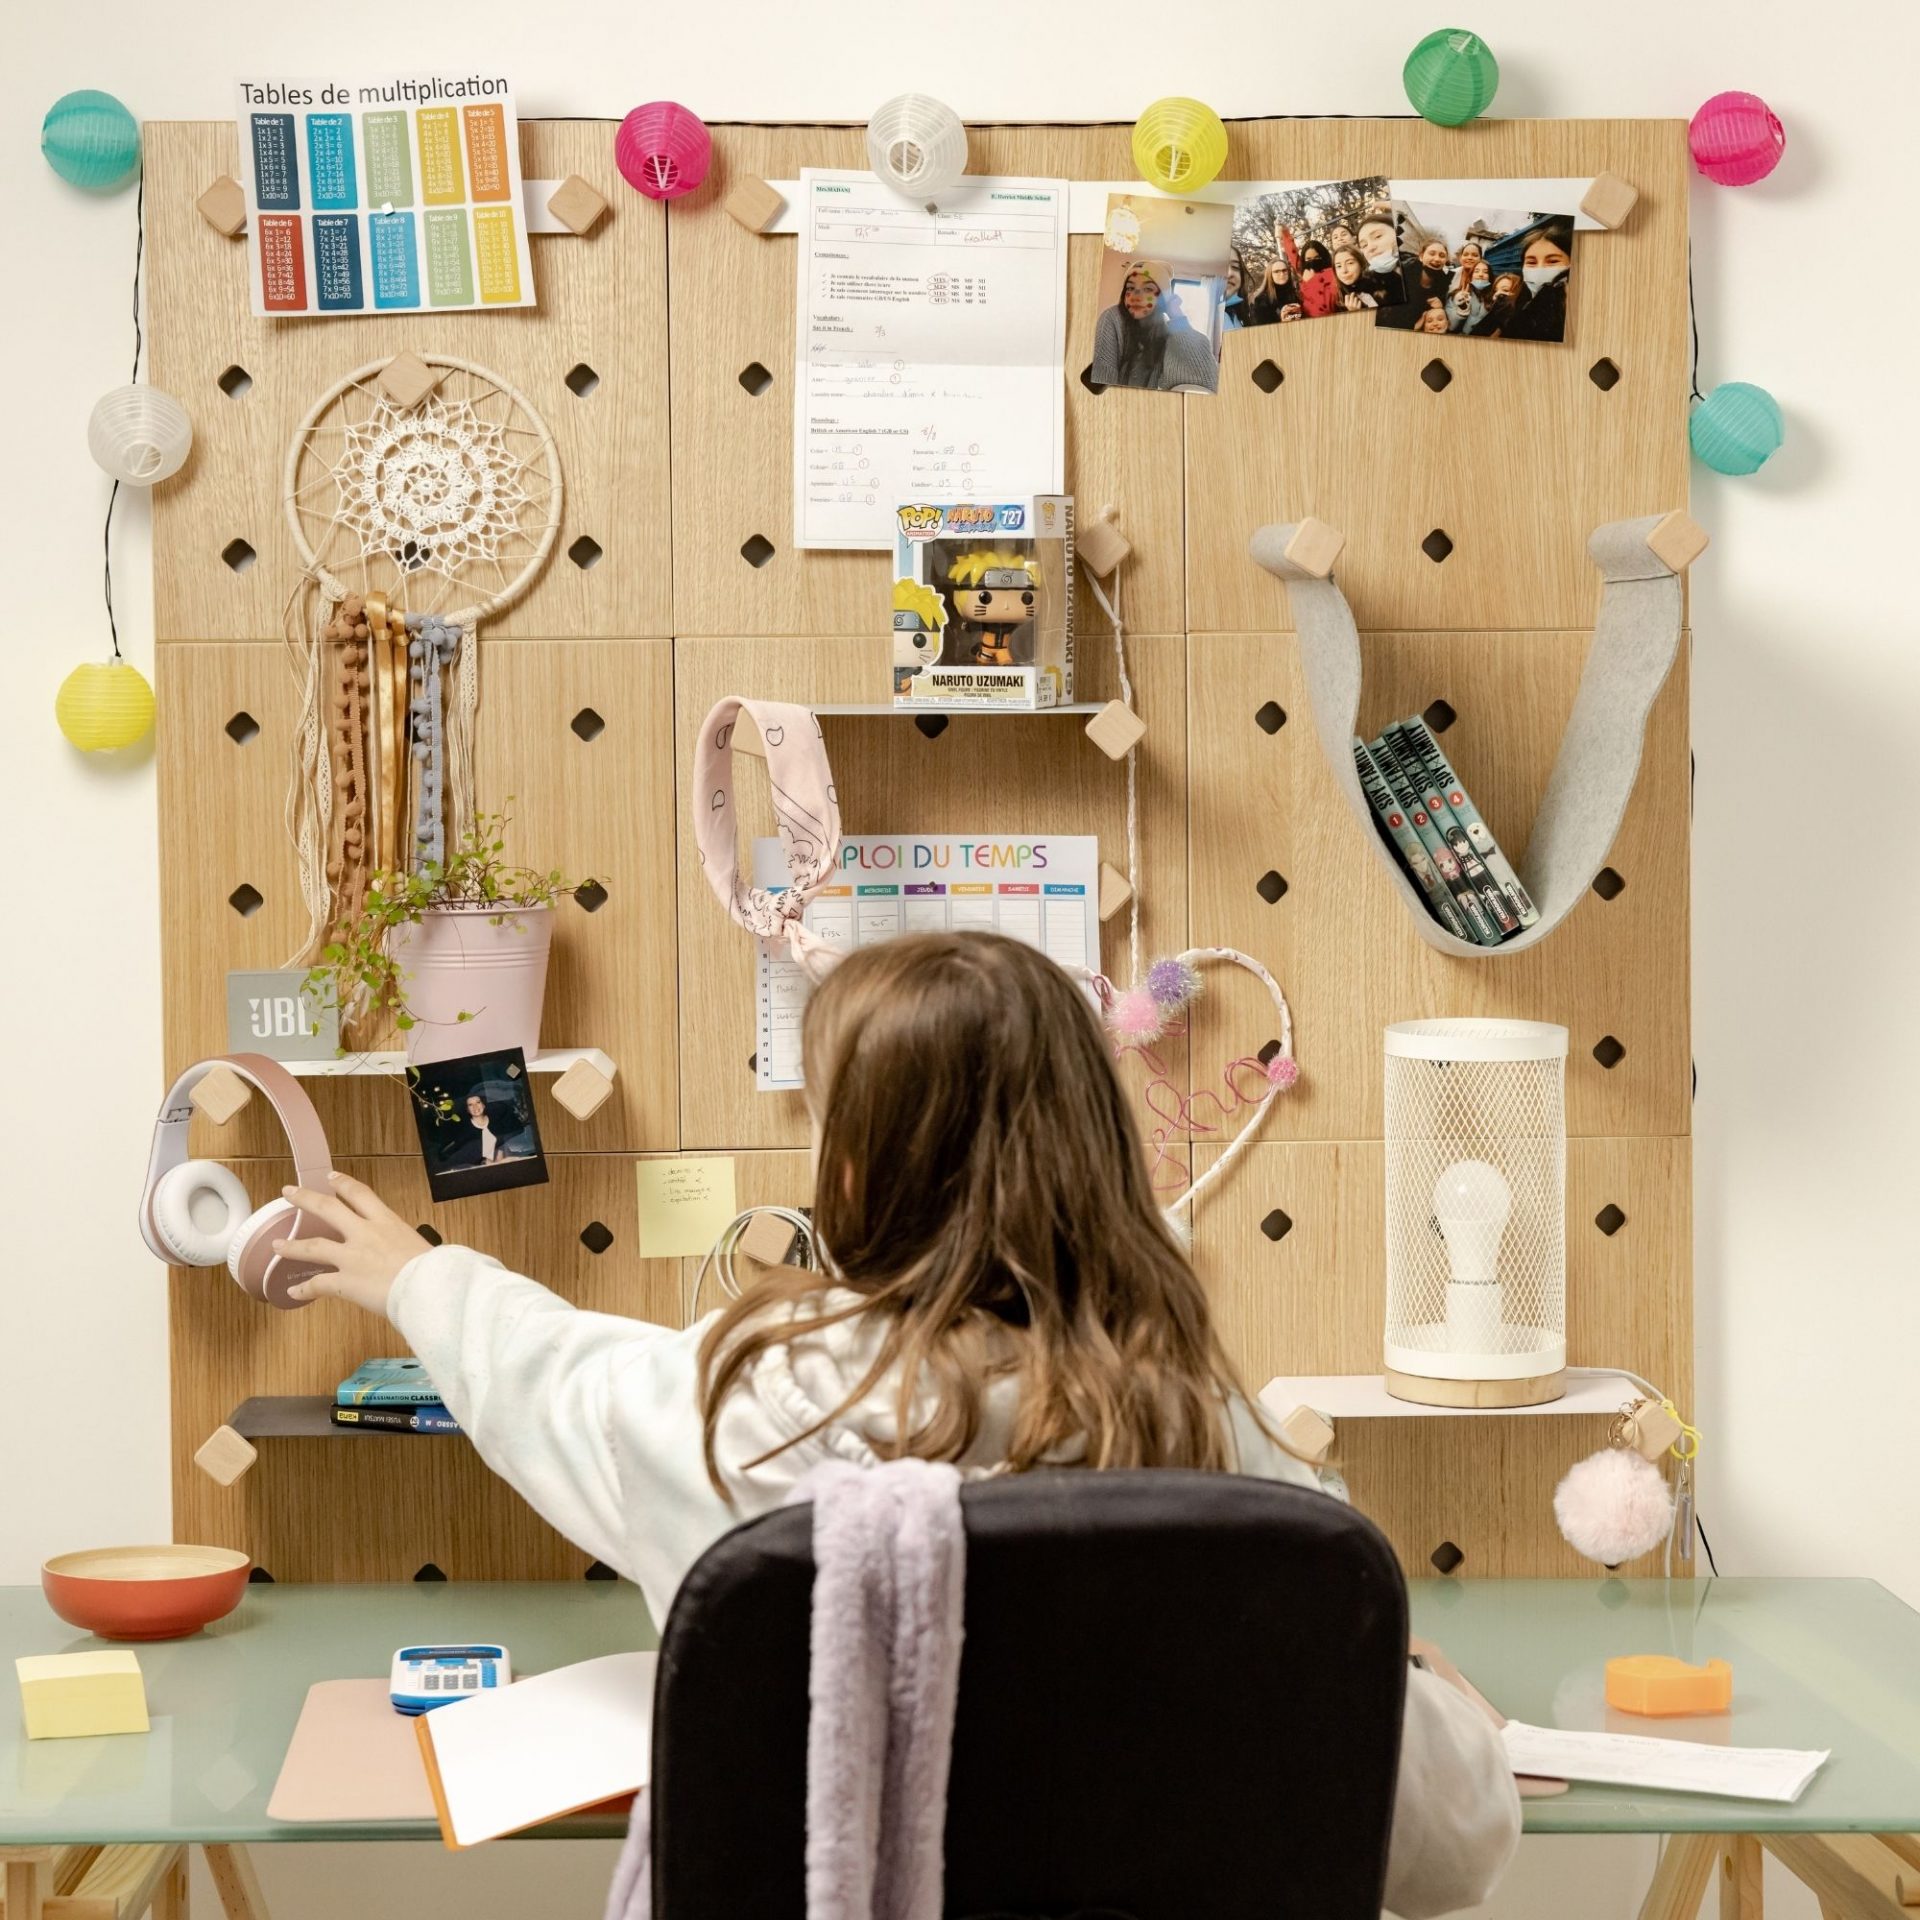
[1517,460]
[603,305]
[984,773]
[1292,1250]
[1341,943]
[369,1507]
[733,309]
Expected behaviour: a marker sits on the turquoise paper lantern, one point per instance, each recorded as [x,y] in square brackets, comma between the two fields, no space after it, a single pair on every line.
[91,141]
[1736,428]
[1451,77]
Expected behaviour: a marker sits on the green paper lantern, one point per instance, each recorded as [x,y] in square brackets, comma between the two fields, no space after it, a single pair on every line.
[1736,428]
[1451,77]
[91,141]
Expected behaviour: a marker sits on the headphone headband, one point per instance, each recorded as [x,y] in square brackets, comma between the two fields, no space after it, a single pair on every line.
[312,1164]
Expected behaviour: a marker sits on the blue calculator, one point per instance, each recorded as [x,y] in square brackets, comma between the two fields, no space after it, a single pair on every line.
[427,1677]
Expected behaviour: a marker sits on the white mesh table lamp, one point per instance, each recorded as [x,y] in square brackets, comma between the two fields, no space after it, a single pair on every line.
[1476,1156]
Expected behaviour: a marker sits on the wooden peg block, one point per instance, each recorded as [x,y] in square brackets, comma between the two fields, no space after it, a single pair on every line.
[767,1238]
[1116,729]
[225,1455]
[1654,1429]
[576,205]
[220,1093]
[1307,1434]
[1115,890]
[1315,546]
[753,203]
[1101,544]
[1678,541]
[1609,200]
[406,379]
[224,206]
[582,1089]
[1906,1888]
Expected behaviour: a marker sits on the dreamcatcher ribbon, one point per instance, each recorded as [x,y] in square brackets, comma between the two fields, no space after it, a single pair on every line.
[805,808]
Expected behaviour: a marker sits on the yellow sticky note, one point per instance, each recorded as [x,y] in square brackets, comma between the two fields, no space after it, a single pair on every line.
[67,1696]
[684,1203]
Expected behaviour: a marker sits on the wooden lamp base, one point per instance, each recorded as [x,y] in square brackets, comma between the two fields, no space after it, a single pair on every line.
[1533,1391]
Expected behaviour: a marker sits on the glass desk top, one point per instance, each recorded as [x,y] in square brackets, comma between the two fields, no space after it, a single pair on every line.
[1816,1663]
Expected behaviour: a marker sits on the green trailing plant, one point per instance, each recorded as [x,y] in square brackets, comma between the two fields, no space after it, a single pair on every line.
[358,967]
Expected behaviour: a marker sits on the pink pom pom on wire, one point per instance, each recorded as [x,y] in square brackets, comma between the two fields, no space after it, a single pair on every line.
[1135,1017]
[1283,1071]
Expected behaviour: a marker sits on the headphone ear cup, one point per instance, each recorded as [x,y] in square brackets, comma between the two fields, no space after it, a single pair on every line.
[195,1209]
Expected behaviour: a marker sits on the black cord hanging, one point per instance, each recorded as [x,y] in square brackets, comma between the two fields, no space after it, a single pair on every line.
[139,343]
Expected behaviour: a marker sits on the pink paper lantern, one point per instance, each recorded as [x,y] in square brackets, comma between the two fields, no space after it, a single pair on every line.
[1736,139]
[663,149]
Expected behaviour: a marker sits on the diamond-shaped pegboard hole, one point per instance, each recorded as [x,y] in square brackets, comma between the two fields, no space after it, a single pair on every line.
[1436,375]
[1270,886]
[932,725]
[755,378]
[260,1577]
[1436,546]
[599,1570]
[596,1236]
[592,896]
[1266,376]
[586,552]
[1608,884]
[246,900]
[1277,1225]
[1609,1052]
[757,551]
[428,1235]
[588,724]
[1439,716]
[1267,1052]
[429,1572]
[753,1063]
[1089,382]
[242,728]
[581,380]
[1445,1557]
[1270,718]
[238,555]
[236,383]
[1604,375]
[1609,1219]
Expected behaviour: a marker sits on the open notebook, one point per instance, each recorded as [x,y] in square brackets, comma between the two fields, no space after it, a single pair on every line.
[543,1747]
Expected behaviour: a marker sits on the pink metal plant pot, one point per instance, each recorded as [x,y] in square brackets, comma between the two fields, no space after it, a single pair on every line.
[486,962]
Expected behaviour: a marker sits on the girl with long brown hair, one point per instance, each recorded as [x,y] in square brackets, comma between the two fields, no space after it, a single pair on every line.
[1000,1289]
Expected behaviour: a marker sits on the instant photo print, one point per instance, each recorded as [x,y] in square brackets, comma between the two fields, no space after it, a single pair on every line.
[1308,253]
[1490,273]
[475,1117]
[1163,294]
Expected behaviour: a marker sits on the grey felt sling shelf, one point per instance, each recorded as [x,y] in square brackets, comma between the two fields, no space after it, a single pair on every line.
[1635,639]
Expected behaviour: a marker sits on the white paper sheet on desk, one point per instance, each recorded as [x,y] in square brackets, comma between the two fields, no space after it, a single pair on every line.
[1674,1766]
[930,351]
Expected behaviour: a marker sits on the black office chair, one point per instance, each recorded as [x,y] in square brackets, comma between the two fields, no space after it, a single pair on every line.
[1180,1699]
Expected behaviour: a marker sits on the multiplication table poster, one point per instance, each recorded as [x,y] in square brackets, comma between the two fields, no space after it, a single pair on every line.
[386,195]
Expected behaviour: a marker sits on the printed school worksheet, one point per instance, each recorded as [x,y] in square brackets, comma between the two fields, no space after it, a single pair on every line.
[930,350]
[1045,891]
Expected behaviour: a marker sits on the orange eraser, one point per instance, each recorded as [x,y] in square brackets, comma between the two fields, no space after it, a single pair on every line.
[1656,1683]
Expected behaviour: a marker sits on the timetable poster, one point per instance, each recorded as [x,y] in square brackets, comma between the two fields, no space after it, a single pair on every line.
[1042,889]
[391,195]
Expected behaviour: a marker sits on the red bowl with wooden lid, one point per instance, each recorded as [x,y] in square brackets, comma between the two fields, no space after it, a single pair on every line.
[145,1593]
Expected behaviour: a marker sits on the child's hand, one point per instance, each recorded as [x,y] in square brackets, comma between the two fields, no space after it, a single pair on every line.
[374,1244]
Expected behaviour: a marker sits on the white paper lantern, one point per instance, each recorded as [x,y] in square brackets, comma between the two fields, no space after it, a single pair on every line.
[1476,1154]
[139,434]
[917,145]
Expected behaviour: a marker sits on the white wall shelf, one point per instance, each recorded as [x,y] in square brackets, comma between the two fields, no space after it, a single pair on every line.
[1364,1396]
[547,1060]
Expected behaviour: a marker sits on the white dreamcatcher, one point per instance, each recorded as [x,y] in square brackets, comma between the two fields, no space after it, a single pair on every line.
[414,523]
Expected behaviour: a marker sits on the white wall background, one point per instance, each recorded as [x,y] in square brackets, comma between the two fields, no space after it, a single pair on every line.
[1806,682]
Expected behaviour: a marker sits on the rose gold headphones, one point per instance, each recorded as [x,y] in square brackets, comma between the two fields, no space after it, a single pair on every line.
[196,1213]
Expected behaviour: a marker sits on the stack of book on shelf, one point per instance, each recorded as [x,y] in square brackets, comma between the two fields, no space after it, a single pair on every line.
[1426,817]
[391,1396]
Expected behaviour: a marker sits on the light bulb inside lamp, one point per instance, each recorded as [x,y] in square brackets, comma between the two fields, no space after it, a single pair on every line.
[1471,1203]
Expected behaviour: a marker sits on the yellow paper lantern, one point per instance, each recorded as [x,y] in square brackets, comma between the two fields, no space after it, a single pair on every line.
[1179,145]
[101,707]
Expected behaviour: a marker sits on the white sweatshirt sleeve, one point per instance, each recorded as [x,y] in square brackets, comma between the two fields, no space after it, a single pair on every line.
[534,1382]
[1456,1813]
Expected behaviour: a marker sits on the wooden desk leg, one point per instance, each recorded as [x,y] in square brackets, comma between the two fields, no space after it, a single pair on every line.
[236,1883]
[29,1881]
[1740,1867]
[1853,1875]
[170,1897]
[1680,1880]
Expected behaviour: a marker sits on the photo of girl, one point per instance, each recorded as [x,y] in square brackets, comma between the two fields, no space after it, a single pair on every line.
[1490,273]
[476,1124]
[1163,295]
[1233,309]
[1292,242]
